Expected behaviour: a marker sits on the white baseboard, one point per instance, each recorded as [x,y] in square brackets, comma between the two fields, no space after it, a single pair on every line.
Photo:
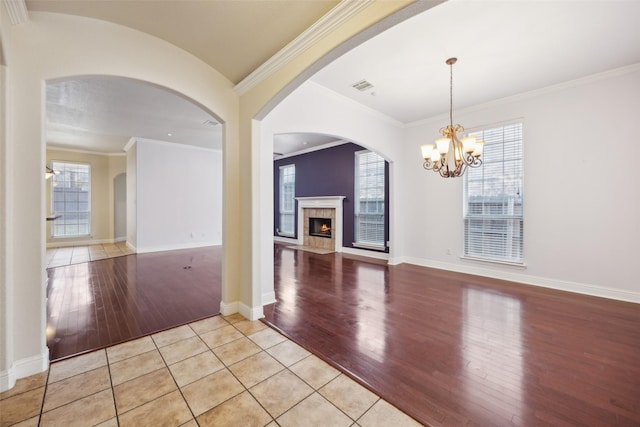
[85,242]
[254,313]
[227,309]
[120,239]
[395,261]
[288,240]
[131,247]
[7,379]
[268,298]
[514,276]
[162,248]
[23,368]
[365,253]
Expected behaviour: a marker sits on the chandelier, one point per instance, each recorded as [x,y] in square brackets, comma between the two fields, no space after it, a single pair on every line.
[450,156]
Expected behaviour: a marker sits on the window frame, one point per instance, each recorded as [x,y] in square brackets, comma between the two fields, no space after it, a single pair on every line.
[380,204]
[488,223]
[61,166]
[281,211]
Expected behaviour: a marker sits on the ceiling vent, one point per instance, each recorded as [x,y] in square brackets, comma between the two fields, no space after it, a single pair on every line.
[362,85]
[210,123]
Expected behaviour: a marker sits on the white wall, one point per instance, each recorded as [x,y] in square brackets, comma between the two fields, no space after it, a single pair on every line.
[132,195]
[179,196]
[581,205]
[120,207]
[581,216]
[6,223]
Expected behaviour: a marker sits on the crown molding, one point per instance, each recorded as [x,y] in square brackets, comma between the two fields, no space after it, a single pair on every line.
[334,18]
[312,149]
[17,11]
[185,146]
[54,147]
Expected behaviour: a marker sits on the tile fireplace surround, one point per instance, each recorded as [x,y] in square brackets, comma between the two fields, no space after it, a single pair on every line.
[320,207]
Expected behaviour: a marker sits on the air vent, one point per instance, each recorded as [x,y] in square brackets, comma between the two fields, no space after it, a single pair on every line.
[362,85]
[210,123]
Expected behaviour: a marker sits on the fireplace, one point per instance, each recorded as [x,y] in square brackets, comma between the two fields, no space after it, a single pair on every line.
[320,222]
[320,227]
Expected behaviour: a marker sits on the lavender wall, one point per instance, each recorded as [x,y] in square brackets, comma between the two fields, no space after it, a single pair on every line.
[328,172]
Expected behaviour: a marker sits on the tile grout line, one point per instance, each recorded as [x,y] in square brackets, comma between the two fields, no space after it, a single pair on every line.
[113,390]
[42,412]
[262,350]
[195,419]
[236,378]
[287,368]
[44,394]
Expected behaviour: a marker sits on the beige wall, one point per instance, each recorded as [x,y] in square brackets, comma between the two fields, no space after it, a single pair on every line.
[51,46]
[103,170]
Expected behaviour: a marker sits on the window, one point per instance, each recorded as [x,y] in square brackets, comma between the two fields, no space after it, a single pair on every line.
[287,200]
[70,196]
[369,209]
[493,221]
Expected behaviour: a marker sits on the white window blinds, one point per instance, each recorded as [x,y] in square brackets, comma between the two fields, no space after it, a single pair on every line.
[71,199]
[493,197]
[370,199]
[287,200]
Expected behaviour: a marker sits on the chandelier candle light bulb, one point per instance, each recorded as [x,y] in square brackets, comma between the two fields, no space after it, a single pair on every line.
[465,153]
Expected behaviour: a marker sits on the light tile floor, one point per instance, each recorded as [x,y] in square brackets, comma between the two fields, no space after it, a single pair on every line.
[57,257]
[220,371]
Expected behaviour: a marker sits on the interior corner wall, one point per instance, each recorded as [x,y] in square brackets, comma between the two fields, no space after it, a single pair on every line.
[103,170]
[179,196]
[581,207]
[132,196]
[6,299]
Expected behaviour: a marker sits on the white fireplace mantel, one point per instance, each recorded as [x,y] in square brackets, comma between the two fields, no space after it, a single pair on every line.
[330,202]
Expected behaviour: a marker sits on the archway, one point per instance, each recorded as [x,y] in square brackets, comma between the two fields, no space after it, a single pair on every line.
[106,53]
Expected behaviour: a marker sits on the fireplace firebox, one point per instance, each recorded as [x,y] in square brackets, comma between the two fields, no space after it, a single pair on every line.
[320,227]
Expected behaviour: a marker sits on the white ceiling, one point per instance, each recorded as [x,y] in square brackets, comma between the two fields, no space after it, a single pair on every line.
[101,114]
[503,48]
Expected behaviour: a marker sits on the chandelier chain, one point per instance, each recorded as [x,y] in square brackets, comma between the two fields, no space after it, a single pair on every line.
[451,94]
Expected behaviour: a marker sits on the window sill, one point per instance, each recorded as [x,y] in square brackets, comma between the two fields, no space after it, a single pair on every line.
[369,246]
[514,264]
[292,236]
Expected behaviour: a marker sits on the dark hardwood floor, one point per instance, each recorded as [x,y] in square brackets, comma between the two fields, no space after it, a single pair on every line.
[455,349]
[97,304]
[447,348]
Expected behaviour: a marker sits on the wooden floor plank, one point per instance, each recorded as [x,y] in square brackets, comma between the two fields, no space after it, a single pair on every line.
[447,348]
[97,304]
[456,349]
